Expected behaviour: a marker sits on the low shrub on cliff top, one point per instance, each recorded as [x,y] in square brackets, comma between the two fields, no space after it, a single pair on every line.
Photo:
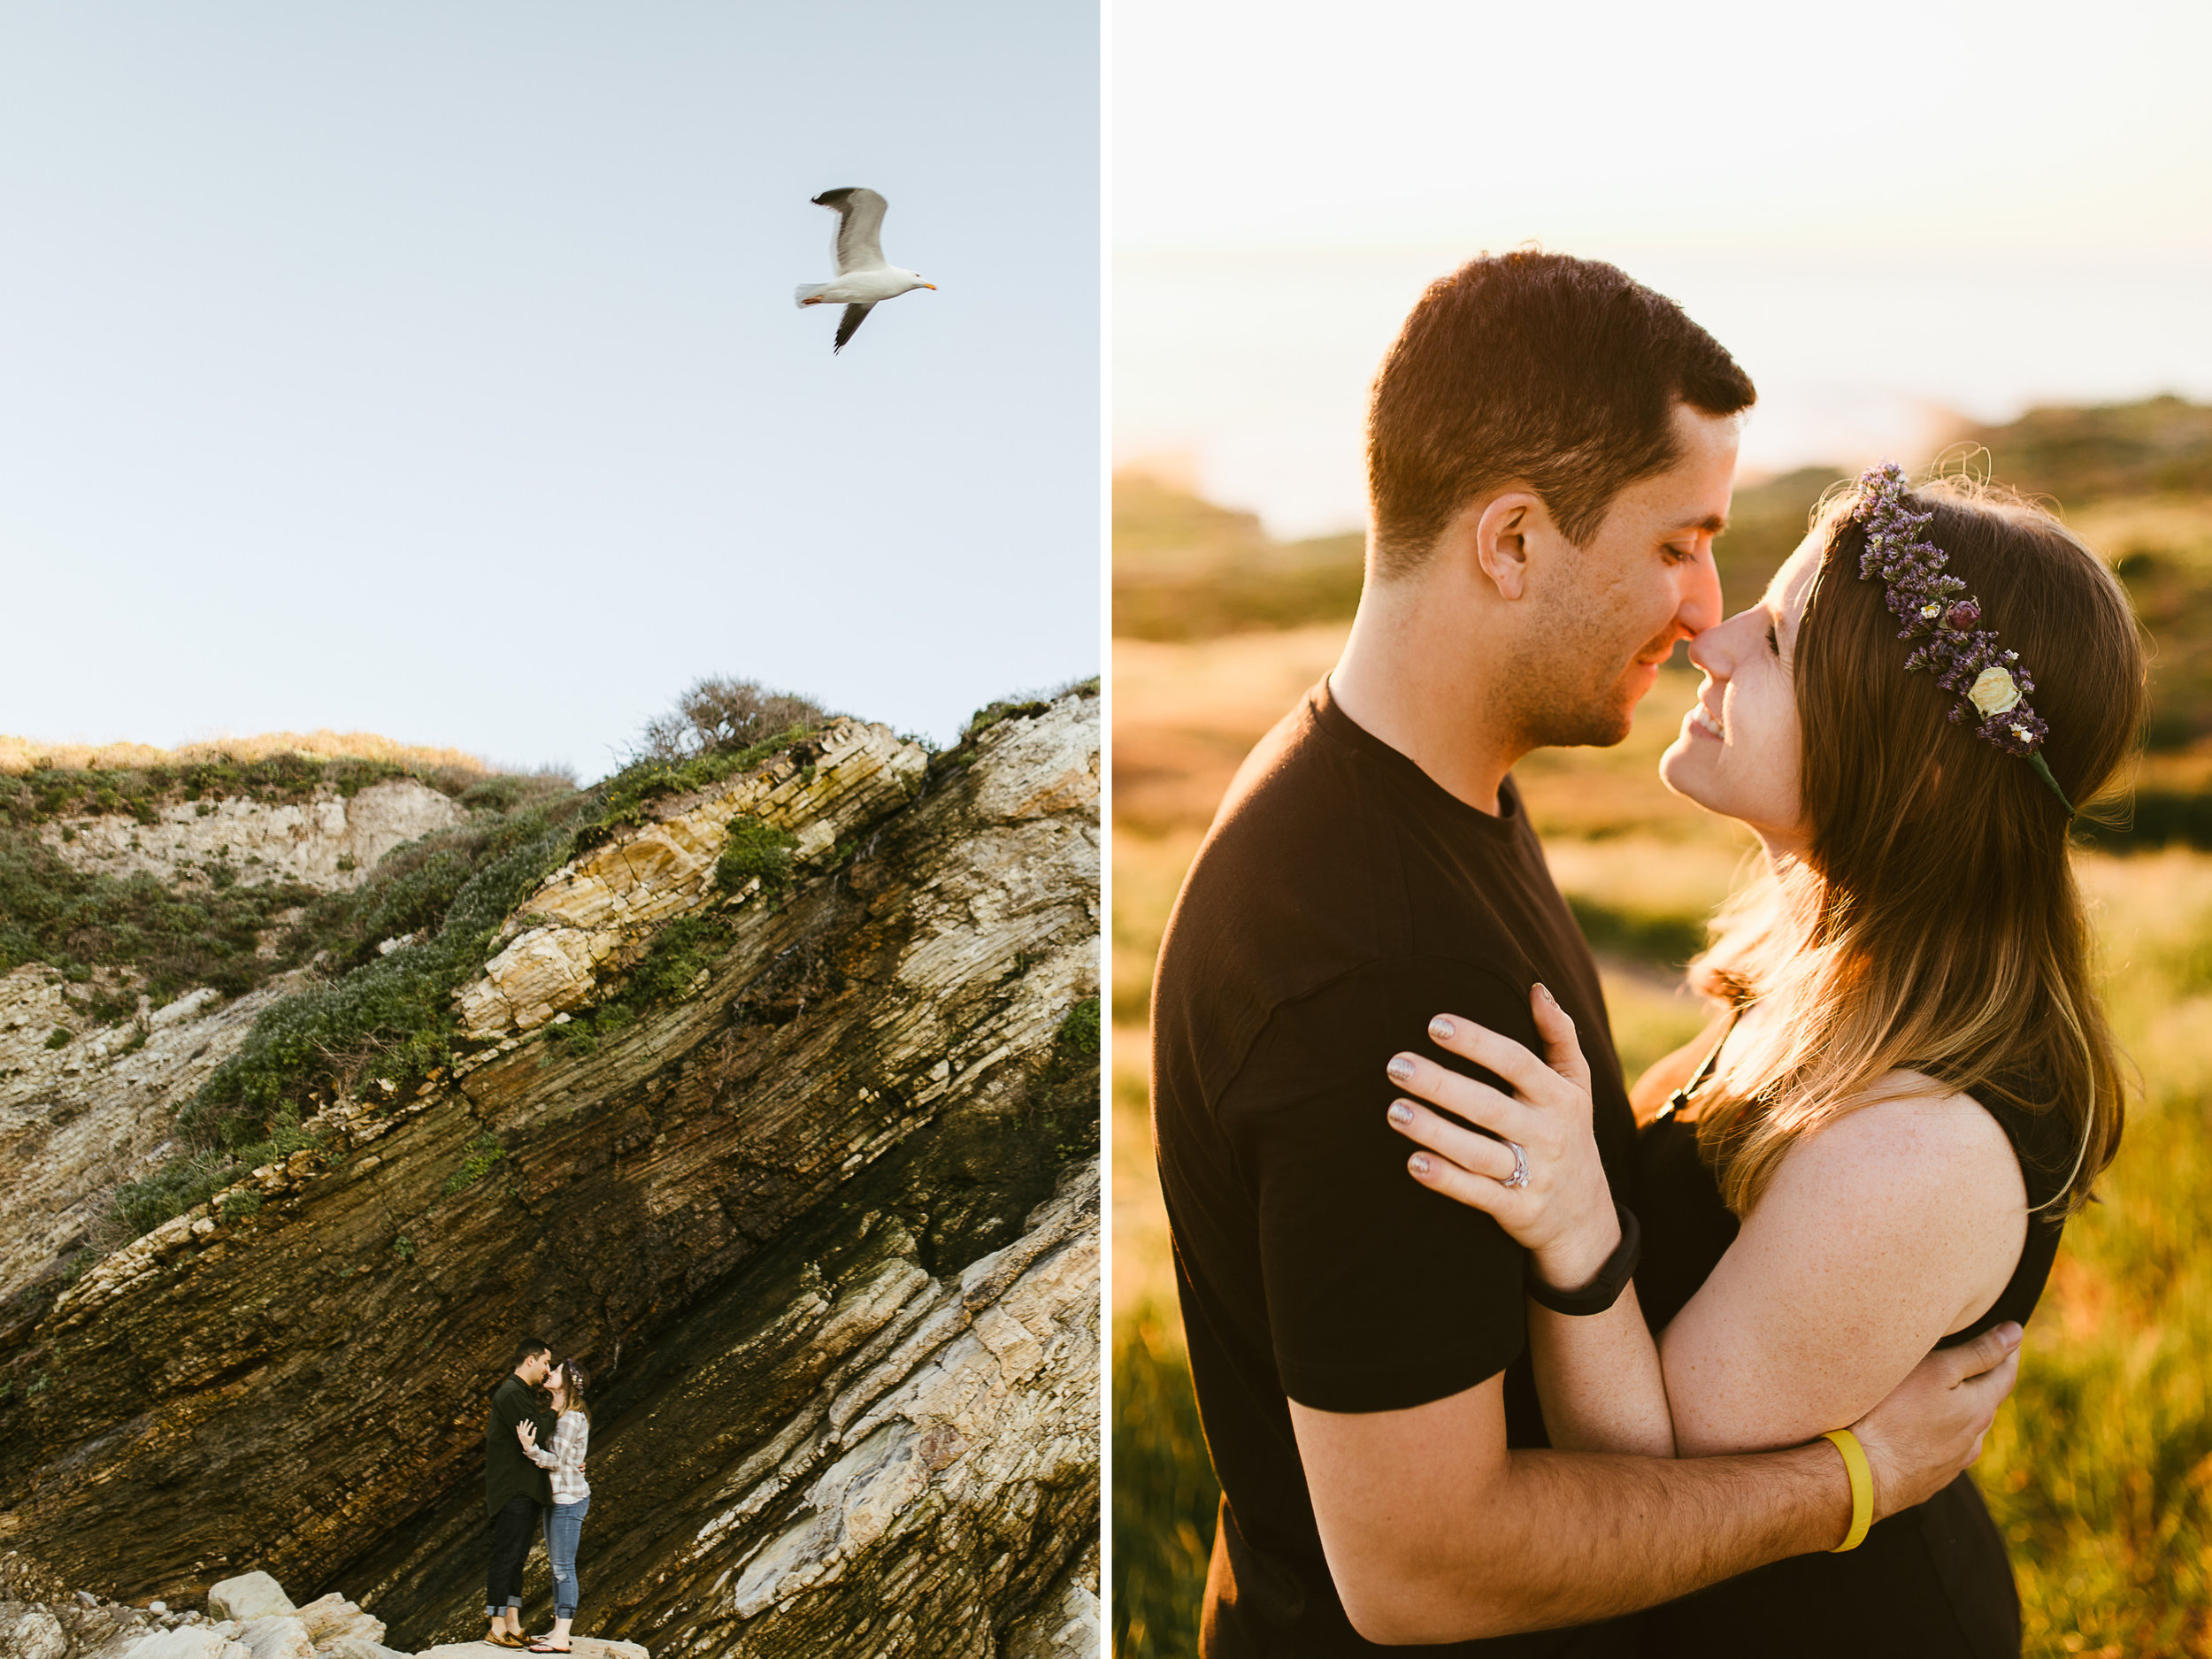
[726,716]
[44,792]
[167,942]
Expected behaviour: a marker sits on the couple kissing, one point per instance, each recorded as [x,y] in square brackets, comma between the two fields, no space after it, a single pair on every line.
[1496,1352]
[534,1445]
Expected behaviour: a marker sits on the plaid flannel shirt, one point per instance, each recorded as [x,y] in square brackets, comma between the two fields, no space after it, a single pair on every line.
[571,1436]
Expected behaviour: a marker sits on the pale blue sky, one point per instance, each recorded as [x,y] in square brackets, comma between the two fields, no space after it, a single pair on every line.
[434,370]
[1895,212]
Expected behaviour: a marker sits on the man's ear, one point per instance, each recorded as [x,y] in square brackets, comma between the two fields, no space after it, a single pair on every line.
[1502,531]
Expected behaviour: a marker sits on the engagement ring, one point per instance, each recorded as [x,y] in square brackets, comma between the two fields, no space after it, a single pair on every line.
[1519,1177]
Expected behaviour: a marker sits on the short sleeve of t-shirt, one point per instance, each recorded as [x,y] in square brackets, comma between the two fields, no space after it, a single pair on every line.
[1381,1294]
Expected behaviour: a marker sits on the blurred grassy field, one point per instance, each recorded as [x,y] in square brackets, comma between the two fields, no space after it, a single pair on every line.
[2100,1469]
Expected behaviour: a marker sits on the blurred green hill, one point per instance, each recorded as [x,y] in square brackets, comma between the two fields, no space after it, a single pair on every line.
[2134,480]
[1185,569]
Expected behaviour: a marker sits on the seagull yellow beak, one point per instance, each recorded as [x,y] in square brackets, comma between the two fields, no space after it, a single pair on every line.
[932,286]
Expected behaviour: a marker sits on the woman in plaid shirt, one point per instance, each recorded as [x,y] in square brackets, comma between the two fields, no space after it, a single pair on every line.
[572,1494]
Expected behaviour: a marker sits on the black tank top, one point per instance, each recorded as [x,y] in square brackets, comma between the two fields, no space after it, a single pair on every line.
[1928,1581]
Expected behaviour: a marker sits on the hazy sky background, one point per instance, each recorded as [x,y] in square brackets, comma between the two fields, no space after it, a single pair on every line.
[1888,211]
[434,371]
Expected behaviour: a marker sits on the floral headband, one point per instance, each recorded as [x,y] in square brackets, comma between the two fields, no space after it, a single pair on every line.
[1936,610]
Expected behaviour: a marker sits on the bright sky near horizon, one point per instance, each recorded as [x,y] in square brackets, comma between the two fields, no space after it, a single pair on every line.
[1890,211]
[434,372]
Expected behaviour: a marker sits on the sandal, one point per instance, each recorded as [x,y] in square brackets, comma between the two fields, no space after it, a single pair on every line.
[542,1645]
[502,1639]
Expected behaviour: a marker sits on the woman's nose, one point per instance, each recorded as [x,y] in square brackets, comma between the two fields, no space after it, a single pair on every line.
[1716,650]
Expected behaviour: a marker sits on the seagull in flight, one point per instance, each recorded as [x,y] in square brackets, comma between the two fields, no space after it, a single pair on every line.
[865,277]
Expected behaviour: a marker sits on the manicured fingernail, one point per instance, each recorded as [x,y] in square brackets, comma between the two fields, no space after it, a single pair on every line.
[1442,1029]
[1418,1163]
[1544,991]
[1400,1068]
[1400,1112]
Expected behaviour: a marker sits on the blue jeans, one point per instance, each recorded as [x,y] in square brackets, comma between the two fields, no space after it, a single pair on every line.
[564,1525]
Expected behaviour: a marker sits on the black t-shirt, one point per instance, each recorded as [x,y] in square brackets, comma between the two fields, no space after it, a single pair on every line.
[508,1472]
[1341,899]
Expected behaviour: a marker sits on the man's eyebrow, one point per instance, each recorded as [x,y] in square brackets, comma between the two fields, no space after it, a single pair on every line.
[1716,522]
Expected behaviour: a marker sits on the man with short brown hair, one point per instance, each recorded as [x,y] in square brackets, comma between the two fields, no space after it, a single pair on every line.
[517,1492]
[1551,453]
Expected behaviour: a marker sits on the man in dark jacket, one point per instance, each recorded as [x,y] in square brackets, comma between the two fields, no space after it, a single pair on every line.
[517,1492]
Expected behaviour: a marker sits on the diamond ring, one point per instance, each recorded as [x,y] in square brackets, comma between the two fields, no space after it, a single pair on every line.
[1519,1177]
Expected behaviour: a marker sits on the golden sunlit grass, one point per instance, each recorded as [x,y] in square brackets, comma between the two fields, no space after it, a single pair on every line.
[2099,1471]
[23,754]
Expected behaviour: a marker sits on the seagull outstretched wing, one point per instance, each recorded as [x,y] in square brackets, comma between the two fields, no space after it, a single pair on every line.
[849,324]
[859,245]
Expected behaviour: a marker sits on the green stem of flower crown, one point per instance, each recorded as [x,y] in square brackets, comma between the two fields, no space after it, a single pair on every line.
[2043,771]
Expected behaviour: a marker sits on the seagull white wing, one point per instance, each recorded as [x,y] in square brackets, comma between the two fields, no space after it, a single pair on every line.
[859,245]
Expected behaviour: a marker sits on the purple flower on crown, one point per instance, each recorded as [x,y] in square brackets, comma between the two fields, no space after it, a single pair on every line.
[1933,607]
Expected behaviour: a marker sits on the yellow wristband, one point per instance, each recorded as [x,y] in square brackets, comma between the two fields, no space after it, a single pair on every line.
[1861,1488]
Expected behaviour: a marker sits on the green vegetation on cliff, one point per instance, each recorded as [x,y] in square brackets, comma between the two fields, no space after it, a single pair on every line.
[392,953]
[2135,480]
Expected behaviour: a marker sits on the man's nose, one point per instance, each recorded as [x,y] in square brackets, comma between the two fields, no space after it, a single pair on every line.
[1699,608]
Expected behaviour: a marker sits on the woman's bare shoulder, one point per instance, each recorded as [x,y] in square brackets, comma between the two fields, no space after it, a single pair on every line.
[1915,1161]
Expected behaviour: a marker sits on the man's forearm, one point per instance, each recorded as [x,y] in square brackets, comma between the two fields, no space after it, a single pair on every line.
[1566,1537]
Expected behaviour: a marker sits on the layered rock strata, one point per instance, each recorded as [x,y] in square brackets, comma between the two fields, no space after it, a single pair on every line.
[826,1226]
[82,1110]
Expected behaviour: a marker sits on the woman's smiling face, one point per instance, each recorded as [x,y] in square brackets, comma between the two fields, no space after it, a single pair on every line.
[1737,752]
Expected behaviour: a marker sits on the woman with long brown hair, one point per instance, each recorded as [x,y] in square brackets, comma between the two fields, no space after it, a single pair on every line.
[1908,1083]
[571,1494]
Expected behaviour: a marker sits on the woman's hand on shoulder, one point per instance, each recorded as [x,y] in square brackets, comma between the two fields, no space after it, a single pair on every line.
[1553,1198]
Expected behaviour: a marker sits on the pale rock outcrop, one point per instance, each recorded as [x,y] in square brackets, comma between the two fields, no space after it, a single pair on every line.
[329,841]
[1065,1623]
[79,1118]
[33,1633]
[595,915]
[332,1618]
[276,1638]
[189,1641]
[251,1595]
[81,1627]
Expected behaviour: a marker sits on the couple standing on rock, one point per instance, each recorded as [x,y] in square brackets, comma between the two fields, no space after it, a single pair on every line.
[529,1487]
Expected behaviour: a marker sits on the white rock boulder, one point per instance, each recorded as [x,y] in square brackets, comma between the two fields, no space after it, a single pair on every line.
[334,1619]
[35,1634]
[187,1641]
[280,1637]
[251,1595]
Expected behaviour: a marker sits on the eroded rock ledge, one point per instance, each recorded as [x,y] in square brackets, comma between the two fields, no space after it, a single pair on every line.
[827,1224]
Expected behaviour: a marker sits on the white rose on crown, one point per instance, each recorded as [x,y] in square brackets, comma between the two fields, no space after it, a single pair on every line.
[1994,692]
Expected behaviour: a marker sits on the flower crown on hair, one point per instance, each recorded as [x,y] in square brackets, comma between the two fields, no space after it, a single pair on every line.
[1936,610]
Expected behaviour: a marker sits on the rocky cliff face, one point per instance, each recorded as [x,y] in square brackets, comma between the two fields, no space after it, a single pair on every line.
[827,1222]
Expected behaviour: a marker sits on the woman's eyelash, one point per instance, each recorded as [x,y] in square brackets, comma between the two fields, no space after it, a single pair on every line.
[1774,640]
